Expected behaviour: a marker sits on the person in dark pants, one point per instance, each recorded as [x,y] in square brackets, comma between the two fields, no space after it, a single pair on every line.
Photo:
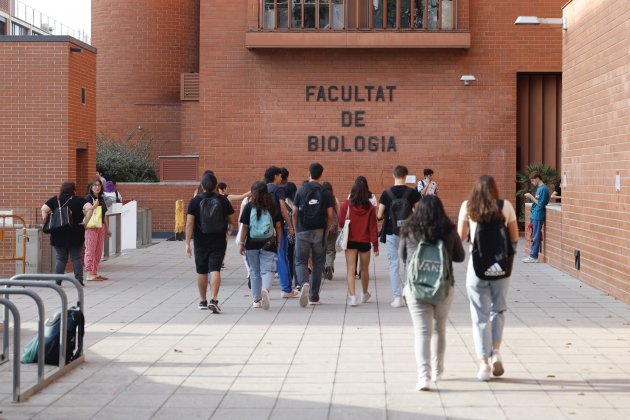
[67,242]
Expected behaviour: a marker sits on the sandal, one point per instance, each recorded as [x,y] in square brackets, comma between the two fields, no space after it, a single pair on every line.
[99,277]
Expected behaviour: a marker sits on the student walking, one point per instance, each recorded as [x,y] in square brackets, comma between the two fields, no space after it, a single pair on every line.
[395,206]
[206,224]
[362,237]
[95,232]
[430,224]
[312,215]
[488,298]
[331,252]
[537,214]
[259,241]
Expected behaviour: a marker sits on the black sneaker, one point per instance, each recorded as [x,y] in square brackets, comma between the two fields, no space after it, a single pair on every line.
[203,304]
[214,306]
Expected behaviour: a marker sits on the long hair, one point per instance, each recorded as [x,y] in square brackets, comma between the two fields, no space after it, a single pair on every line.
[482,203]
[360,195]
[429,222]
[94,182]
[364,179]
[261,199]
[327,186]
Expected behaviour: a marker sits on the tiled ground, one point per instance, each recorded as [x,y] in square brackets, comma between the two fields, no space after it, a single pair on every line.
[152,354]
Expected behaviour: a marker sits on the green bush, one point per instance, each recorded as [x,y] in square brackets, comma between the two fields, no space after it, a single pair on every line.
[127,159]
[550,176]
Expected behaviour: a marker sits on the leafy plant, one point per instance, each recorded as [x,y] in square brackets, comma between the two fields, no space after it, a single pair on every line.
[550,176]
[127,159]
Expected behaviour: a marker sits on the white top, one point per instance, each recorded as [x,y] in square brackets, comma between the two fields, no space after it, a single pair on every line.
[508,212]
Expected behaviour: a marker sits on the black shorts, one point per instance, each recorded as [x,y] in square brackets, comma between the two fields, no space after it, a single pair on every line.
[209,258]
[360,246]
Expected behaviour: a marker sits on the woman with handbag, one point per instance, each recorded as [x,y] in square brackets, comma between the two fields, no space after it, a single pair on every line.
[429,223]
[331,239]
[259,241]
[68,236]
[362,235]
[96,227]
[488,298]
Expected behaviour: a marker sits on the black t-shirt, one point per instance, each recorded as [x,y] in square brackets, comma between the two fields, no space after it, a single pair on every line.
[398,190]
[245,218]
[74,237]
[210,239]
[300,200]
[278,193]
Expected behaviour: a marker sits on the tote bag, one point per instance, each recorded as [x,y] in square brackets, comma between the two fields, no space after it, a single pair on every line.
[96,221]
[59,219]
[342,238]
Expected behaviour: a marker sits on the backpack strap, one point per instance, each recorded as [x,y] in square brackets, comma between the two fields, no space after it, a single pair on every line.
[500,204]
[390,194]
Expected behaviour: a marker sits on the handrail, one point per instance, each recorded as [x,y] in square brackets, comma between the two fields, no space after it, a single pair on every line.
[55,277]
[10,306]
[64,311]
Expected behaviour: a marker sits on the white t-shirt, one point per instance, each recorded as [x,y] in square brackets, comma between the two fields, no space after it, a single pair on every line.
[508,213]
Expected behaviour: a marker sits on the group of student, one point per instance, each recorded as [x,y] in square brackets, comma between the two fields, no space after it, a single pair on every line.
[291,231]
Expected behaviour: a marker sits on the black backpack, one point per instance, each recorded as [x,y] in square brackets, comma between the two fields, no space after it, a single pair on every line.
[312,210]
[492,252]
[211,214]
[52,332]
[399,209]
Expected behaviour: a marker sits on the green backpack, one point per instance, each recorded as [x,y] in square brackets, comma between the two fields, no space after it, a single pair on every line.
[428,273]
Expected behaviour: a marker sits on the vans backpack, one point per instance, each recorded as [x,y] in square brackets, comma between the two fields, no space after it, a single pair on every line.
[428,273]
[399,209]
[492,252]
[211,214]
[260,228]
[312,210]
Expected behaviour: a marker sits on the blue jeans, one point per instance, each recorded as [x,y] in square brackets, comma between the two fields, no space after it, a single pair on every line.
[392,242]
[260,264]
[310,242]
[62,260]
[536,239]
[284,271]
[488,302]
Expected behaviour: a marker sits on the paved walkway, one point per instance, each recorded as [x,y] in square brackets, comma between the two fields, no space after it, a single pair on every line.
[152,354]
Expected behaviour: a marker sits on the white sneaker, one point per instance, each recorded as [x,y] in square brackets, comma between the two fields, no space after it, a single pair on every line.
[304,295]
[365,297]
[530,260]
[497,364]
[291,294]
[484,373]
[352,300]
[256,305]
[265,300]
[314,302]
[423,385]
[396,303]
[436,376]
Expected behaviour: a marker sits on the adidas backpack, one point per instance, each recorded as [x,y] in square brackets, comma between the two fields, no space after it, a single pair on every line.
[260,228]
[211,214]
[399,209]
[312,213]
[428,273]
[492,252]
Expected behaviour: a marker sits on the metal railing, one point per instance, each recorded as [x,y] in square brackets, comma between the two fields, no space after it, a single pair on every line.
[9,238]
[340,15]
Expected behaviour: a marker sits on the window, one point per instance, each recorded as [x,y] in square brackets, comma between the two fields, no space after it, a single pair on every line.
[3,26]
[18,30]
[83,95]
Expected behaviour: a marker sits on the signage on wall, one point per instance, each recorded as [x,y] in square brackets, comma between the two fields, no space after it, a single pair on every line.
[350,118]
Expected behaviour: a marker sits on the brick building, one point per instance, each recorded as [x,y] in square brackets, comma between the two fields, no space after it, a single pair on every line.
[359,86]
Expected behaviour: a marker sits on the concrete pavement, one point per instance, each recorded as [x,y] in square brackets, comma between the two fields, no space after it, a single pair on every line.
[152,354]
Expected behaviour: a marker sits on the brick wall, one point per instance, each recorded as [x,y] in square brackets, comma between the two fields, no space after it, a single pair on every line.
[253,111]
[142,51]
[595,144]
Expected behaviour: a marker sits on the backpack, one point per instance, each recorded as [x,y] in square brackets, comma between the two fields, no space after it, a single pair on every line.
[260,229]
[492,252]
[428,273]
[211,214]
[52,330]
[311,212]
[399,209]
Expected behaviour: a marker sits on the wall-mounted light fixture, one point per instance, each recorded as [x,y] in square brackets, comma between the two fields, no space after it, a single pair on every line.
[76,49]
[535,20]
[467,78]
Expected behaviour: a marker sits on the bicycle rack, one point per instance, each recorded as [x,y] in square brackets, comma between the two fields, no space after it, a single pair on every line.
[47,281]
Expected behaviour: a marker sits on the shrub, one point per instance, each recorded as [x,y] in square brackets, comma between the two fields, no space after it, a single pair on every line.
[126,159]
